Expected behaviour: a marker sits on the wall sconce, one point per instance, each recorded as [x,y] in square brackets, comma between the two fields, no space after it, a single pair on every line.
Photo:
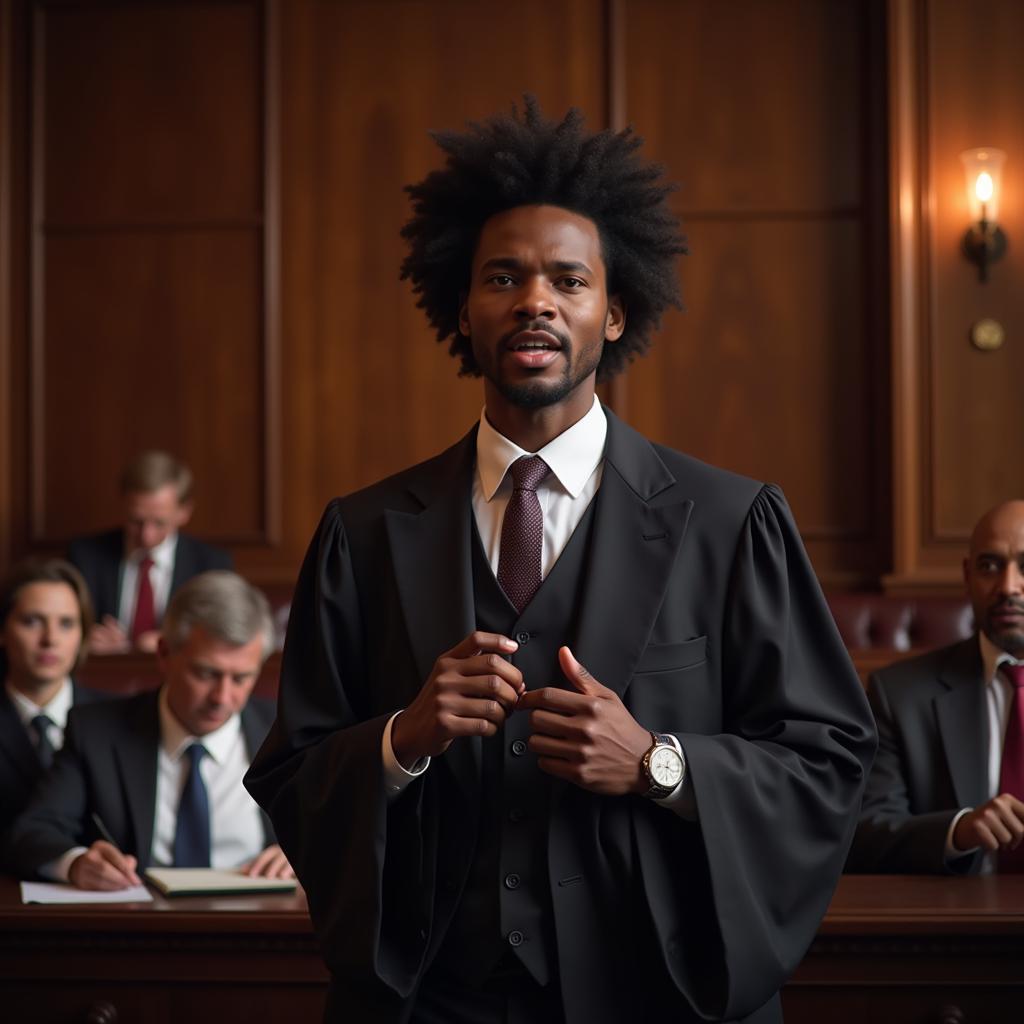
[984,242]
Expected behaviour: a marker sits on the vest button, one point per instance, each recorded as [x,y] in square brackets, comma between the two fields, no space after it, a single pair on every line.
[516,814]
[512,881]
[515,938]
[522,638]
[518,748]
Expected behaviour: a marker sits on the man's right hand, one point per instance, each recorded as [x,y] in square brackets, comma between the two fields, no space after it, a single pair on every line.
[470,692]
[108,637]
[998,824]
[103,866]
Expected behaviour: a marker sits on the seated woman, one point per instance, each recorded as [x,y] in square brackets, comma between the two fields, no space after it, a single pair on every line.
[45,614]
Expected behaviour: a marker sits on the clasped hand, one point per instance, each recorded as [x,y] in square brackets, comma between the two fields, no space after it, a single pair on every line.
[584,735]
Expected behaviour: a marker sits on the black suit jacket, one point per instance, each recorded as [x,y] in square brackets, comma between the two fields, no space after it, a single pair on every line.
[108,767]
[932,761]
[20,768]
[700,608]
[98,558]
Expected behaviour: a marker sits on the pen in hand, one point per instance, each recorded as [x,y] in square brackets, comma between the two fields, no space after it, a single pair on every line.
[114,857]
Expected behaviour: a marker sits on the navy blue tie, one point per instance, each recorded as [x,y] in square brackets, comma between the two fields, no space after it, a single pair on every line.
[192,834]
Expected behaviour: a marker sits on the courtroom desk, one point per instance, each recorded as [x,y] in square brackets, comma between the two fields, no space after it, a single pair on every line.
[912,949]
[229,960]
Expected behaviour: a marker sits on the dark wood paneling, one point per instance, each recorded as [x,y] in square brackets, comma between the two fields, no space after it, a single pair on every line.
[151,341]
[765,120]
[151,321]
[958,83]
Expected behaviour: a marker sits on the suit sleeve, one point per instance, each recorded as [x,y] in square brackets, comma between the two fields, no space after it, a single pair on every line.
[54,820]
[890,838]
[319,777]
[777,791]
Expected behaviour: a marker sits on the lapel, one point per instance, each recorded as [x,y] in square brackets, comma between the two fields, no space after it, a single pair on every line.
[961,716]
[254,731]
[433,574]
[136,755]
[633,553]
[108,571]
[182,570]
[15,743]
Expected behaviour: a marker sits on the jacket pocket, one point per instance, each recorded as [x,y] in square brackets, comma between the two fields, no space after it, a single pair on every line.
[669,657]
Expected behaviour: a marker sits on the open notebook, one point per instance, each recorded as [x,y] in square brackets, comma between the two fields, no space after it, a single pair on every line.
[209,881]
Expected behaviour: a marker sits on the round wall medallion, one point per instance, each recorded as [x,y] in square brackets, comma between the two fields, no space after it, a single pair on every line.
[987,335]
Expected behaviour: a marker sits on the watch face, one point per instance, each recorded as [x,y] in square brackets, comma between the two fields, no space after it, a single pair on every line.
[666,767]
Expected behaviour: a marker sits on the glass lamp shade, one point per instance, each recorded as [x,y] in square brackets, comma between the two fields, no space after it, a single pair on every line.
[983,169]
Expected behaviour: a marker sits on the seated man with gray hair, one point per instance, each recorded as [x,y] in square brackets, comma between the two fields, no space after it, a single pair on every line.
[156,779]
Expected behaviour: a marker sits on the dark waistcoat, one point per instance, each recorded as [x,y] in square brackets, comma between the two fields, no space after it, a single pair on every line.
[505,907]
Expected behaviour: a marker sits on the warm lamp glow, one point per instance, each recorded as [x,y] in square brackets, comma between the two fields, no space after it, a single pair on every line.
[985,242]
[983,168]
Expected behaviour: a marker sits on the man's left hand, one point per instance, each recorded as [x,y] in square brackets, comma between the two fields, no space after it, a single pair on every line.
[585,735]
[269,863]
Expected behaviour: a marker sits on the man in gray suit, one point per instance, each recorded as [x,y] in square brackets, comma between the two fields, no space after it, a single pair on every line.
[938,799]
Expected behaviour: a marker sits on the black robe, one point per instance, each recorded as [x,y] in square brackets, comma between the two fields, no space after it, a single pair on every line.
[701,609]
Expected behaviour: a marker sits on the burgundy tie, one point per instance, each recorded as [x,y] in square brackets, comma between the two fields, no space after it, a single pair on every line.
[522,532]
[144,619]
[1011,771]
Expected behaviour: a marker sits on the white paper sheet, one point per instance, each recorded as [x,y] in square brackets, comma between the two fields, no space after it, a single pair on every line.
[55,892]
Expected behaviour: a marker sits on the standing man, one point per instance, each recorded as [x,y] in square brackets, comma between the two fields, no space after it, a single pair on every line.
[156,779]
[132,571]
[566,731]
[946,793]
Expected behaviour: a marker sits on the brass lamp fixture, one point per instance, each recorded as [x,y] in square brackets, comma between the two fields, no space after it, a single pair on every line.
[985,241]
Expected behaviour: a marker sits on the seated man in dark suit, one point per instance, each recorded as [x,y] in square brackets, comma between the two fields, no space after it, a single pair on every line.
[160,774]
[45,616]
[133,571]
[946,790]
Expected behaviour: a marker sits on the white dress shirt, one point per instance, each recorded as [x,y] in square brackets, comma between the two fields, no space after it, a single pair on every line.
[998,697]
[56,710]
[160,574]
[576,461]
[236,828]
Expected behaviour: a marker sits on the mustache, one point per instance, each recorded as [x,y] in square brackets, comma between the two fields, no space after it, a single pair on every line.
[1008,604]
[536,325]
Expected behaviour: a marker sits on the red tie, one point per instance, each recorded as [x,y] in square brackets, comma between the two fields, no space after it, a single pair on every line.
[1011,771]
[144,620]
[522,532]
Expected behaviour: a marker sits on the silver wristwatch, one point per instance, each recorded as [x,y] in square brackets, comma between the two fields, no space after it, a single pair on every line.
[663,766]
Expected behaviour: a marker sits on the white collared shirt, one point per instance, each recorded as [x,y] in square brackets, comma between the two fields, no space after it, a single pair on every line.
[998,697]
[160,575]
[56,710]
[236,830]
[576,460]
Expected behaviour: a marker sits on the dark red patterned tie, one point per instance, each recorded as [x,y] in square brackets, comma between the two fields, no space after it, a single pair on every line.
[144,619]
[1011,771]
[522,532]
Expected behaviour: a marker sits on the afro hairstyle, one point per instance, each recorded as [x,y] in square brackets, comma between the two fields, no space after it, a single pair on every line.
[515,160]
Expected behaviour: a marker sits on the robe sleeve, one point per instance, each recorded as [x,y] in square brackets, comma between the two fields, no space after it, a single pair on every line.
[777,791]
[319,777]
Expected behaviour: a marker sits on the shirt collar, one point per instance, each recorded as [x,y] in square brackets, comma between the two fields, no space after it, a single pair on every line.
[992,657]
[572,456]
[162,554]
[56,710]
[175,739]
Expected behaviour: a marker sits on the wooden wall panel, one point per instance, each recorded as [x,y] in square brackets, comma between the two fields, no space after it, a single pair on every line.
[958,83]
[764,115]
[149,305]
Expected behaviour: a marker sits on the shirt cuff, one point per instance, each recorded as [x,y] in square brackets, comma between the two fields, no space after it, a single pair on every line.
[59,870]
[952,853]
[681,800]
[396,777]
